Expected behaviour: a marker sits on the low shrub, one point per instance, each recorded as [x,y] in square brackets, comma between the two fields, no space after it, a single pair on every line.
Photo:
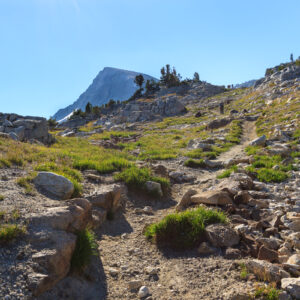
[184,229]
[86,247]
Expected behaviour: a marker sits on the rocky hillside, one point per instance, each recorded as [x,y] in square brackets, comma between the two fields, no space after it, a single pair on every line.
[110,83]
[198,201]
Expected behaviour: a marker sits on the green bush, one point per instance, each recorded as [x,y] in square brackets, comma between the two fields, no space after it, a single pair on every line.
[86,247]
[185,229]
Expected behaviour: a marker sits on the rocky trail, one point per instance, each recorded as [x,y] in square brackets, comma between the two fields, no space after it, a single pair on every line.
[129,260]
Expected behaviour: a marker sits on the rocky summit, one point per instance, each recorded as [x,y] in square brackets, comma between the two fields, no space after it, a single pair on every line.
[110,83]
[185,190]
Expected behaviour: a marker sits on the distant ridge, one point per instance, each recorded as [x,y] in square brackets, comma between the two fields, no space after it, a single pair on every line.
[110,83]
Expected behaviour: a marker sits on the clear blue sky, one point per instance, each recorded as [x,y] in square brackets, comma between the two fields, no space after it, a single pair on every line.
[50,50]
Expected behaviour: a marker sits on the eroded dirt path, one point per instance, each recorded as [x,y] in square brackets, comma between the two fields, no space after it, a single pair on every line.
[126,255]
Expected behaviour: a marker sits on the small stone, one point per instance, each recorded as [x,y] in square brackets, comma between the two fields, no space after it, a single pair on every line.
[143,292]
[134,284]
[113,272]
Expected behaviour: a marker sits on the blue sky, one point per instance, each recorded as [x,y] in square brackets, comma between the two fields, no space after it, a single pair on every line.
[50,50]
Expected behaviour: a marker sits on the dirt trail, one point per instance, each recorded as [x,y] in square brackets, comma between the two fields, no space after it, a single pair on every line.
[127,256]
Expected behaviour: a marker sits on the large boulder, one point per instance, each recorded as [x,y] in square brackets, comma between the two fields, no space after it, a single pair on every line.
[220,235]
[56,185]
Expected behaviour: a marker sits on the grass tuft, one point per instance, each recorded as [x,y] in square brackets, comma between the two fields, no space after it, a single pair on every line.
[183,230]
[136,177]
[86,247]
[192,163]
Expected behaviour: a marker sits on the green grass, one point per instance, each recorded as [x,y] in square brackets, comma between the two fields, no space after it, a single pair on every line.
[266,293]
[86,247]
[136,177]
[244,272]
[26,183]
[226,173]
[183,230]
[9,232]
[262,168]
[192,163]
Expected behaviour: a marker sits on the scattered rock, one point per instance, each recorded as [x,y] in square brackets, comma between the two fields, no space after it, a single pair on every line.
[292,286]
[220,235]
[154,188]
[260,141]
[56,185]
[143,292]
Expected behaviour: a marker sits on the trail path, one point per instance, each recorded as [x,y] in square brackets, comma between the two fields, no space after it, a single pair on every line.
[127,256]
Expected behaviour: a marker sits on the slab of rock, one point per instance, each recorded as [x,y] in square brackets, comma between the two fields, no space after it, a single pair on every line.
[266,271]
[56,185]
[186,199]
[218,123]
[212,197]
[55,260]
[260,141]
[220,235]
[292,286]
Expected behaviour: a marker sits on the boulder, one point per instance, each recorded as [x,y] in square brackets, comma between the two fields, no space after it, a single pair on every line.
[292,286]
[109,197]
[154,188]
[266,271]
[220,235]
[55,261]
[56,185]
[214,197]
[260,141]
[268,254]
[68,218]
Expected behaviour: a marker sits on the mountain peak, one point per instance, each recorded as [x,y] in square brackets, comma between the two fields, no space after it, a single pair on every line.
[110,83]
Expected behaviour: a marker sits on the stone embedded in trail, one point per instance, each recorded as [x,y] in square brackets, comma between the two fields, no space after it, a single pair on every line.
[292,286]
[260,141]
[180,177]
[154,187]
[220,235]
[135,284]
[143,292]
[266,271]
[56,185]
[212,197]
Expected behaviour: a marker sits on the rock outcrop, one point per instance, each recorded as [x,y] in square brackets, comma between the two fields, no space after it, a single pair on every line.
[25,128]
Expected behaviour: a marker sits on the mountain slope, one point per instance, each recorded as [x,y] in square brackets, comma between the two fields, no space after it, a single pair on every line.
[110,83]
